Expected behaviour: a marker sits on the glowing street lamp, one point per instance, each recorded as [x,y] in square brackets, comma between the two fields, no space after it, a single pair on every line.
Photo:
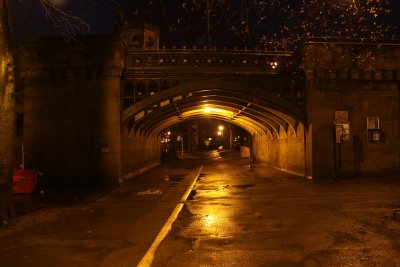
[221,133]
[274,64]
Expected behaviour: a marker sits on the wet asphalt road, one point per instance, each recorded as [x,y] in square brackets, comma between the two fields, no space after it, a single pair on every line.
[239,214]
[243,214]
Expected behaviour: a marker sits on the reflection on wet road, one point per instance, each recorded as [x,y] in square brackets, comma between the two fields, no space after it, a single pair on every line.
[238,213]
[243,214]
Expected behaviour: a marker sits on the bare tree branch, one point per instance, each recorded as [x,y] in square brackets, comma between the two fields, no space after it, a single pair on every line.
[66,23]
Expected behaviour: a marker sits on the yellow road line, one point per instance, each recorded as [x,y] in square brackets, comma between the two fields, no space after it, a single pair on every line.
[149,256]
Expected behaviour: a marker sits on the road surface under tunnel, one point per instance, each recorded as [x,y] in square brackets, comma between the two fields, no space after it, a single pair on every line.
[237,213]
[241,213]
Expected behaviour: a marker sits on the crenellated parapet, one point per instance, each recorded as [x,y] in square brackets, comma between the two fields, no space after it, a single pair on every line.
[345,59]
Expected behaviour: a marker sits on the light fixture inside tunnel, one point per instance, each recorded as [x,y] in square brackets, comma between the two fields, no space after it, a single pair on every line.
[255,118]
[213,110]
[217,112]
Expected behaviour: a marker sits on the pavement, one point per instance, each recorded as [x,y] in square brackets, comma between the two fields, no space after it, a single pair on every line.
[239,213]
[106,229]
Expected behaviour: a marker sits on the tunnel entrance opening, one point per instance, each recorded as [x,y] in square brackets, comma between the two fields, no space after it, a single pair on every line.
[203,134]
[275,127]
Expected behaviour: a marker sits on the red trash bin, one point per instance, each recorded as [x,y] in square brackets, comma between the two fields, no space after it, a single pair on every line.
[24,181]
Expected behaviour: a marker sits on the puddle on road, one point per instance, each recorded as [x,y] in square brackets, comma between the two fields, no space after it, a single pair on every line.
[173,245]
[221,204]
[201,176]
[176,242]
[216,242]
[242,186]
[174,180]
[192,195]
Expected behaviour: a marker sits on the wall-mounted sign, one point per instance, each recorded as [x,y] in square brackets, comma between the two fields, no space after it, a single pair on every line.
[346,132]
[341,116]
[373,129]
[342,132]
[372,123]
[376,136]
[338,134]
[342,126]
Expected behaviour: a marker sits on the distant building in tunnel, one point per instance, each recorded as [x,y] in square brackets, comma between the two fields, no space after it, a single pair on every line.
[93,111]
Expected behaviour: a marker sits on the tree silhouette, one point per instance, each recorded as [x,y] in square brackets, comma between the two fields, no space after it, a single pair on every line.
[275,24]
[66,24]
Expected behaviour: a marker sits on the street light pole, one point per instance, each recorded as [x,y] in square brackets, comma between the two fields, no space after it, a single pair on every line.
[221,132]
[182,146]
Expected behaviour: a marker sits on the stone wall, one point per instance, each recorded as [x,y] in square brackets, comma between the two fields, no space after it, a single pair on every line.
[363,80]
[138,154]
[72,113]
[285,151]
[71,132]
[72,110]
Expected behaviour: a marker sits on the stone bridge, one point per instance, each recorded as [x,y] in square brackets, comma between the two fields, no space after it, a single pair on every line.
[95,112]
[260,92]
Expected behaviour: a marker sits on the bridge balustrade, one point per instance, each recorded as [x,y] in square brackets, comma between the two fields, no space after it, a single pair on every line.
[150,71]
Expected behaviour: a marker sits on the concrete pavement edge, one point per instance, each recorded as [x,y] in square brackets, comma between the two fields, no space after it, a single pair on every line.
[149,256]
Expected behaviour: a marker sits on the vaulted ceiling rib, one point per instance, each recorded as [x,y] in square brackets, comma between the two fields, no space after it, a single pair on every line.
[257,115]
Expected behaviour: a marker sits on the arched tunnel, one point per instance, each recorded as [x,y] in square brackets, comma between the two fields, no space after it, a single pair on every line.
[276,125]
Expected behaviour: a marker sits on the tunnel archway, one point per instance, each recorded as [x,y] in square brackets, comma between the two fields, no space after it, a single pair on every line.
[257,111]
[277,125]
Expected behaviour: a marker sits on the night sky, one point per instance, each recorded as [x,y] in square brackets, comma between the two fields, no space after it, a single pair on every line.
[278,24]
